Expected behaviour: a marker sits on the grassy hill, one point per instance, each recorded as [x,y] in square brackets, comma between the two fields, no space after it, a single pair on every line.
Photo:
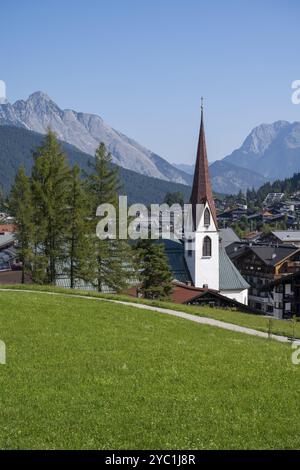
[85,374]
[16,145]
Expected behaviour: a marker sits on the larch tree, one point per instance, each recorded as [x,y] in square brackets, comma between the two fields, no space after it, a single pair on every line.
[50,181]
[20,204]
[112,267]
[78,246]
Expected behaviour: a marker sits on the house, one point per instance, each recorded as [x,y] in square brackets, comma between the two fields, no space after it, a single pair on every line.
[286,293]
[262,266]
[283,237]
[228,236]
[273,198]
[8,255]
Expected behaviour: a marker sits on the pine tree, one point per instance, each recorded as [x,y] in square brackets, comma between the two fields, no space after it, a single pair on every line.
[174,198]
[50,185]
[78,246]
[20,204]
[112,267]
[155,275]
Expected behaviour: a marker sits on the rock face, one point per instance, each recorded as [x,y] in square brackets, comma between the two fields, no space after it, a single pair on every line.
[273,150]
[85,131]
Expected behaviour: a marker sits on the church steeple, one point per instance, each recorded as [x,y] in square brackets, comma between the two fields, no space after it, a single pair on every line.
[201,191]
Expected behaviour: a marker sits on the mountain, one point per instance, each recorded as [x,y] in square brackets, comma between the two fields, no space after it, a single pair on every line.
[273,150]
[17,143]
[227,178]
[189,169]
[230,179]
[85,131]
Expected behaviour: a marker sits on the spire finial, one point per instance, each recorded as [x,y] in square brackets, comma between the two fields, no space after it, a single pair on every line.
[202,103]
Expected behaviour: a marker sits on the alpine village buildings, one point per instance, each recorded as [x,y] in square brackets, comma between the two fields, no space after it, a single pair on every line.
[212,266]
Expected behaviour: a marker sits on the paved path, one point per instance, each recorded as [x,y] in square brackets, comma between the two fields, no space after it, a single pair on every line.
[175,313]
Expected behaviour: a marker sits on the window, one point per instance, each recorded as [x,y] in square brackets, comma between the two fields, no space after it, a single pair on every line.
[206,217]
[207,246]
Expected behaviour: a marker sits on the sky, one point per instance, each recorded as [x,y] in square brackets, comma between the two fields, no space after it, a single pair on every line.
[144,65]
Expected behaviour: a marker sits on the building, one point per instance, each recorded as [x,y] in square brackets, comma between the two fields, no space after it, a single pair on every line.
[273,198]
[286,291]
[283,237]
[200,261]
[263,266]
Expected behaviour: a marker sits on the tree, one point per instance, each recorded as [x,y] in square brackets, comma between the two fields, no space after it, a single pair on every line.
[174,198]
[113,267]
[50,184]
[2,199]
[155,275]
[20,204]
[78,244]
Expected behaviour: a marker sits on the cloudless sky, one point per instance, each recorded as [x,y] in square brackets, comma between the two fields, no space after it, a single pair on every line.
[142,65]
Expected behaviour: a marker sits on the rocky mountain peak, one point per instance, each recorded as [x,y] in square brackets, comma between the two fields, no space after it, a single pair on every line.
[85,131]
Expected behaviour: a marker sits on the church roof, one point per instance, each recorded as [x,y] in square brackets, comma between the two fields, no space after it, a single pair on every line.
[175,254]
[201,190]
[229,277]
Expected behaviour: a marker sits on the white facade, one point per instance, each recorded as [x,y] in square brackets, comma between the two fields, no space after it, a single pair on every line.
[202,262]
[238,295]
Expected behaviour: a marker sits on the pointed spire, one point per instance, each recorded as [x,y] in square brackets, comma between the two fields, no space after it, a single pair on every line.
[201,190]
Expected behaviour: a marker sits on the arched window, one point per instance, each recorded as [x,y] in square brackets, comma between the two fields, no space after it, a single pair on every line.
[206,217]
[207,246]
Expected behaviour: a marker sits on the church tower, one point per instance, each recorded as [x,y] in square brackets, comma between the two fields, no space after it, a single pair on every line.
[202,237]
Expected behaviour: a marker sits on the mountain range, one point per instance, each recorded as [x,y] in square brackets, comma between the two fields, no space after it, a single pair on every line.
[270,151]
[17,144]
[273,150]
[85,131]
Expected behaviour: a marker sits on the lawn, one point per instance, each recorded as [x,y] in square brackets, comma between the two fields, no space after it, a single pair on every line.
[257,322]
[96,375]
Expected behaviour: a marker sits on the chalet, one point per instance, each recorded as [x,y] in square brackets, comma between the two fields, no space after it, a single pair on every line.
[283,237]
[261,266]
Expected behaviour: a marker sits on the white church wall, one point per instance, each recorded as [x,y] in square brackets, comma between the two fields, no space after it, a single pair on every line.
[238,295]
[204,270]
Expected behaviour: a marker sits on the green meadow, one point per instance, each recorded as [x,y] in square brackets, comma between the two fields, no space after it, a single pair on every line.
[84,374]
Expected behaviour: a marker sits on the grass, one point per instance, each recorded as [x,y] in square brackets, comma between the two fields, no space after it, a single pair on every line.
[97,375]
[257,322]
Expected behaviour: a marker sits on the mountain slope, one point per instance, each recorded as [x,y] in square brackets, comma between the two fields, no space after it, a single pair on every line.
[227,178]
[230,179]
[85,131]
[273,150]
[16,145]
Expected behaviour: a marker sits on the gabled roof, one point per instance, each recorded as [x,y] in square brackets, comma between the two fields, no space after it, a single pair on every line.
[6,239]
[229,277]
[183,294]
[228,236]
[201,190]
[287,235]
[272,255]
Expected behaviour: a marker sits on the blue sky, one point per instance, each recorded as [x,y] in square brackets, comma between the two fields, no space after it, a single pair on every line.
[143,65]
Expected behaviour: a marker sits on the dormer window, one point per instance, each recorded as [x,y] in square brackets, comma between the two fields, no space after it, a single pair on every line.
[206,217]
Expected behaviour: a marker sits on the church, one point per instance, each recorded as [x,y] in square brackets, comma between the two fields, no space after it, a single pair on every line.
[202,271]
